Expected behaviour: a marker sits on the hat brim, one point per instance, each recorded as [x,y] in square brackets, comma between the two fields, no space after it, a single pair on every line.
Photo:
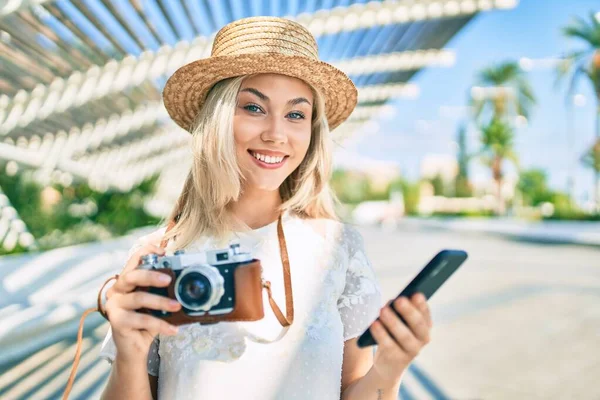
[185,91]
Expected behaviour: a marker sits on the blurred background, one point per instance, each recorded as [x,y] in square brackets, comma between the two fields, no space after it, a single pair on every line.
[478,127]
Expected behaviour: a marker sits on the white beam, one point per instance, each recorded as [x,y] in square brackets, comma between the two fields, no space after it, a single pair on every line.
[10,6]
[102,131]
[95,83]
[384,92]
[368,112]
[124,155]
[387,12]
[398,61]
[99,171]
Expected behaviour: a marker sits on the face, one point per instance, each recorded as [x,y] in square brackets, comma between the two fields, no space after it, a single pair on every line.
[272,128]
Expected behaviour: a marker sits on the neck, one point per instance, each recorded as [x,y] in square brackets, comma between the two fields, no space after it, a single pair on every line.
[257,208]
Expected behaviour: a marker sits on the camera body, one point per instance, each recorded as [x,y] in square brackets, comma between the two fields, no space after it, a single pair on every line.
[206,283]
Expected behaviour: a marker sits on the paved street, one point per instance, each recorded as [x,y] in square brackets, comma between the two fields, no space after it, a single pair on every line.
[517,321]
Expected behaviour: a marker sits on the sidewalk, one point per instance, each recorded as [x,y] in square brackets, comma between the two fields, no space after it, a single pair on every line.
[570,232]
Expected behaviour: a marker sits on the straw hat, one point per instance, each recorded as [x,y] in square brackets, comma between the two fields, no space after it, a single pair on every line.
[259,45]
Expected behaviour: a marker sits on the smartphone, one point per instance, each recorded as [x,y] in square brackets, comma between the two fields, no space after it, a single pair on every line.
[435,273]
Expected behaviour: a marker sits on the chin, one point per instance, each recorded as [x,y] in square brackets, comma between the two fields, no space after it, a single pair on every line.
[265,186]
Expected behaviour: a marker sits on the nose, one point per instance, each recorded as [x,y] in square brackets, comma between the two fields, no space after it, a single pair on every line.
[274,131]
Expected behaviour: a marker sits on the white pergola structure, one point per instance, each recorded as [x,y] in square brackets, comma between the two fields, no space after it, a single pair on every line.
[80,81]
[13,231]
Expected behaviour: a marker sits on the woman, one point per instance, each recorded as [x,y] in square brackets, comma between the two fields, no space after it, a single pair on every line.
[259,111]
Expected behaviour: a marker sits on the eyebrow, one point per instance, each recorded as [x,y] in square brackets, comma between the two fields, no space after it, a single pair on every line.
[264,97]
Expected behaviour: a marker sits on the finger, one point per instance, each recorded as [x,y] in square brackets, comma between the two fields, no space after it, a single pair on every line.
[138,278]
[139,321]
[400,332]
[137,300]
[134,260]
[381,336]
[420,301]
[413,317]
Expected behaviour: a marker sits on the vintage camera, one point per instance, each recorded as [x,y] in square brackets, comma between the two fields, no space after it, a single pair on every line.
[207,285]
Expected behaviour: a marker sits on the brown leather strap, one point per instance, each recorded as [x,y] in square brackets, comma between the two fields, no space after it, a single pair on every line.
[87,312]
[287,282]
[100,307]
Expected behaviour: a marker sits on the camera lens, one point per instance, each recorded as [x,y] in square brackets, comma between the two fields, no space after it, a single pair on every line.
[194,290]
[199,287]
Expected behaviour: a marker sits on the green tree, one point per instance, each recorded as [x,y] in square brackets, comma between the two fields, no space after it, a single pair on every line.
[349,187]
[512,96]
[585,64]
[498,145]
[533,185]
[439,188]
[410,194]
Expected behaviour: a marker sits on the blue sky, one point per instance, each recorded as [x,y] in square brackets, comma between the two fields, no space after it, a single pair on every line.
[422,127]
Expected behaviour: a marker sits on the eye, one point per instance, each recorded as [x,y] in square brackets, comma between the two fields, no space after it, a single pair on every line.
[253,108]
[298,115]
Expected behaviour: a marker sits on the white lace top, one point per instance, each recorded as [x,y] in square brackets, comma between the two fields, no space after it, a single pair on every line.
[336,297]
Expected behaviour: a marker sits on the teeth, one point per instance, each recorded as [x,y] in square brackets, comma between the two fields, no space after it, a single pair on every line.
[267,159]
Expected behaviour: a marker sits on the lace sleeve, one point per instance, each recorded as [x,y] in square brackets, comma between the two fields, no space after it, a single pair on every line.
[108,351]
[360,302]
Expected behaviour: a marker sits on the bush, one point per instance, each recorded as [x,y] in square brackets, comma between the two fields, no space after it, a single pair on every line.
[76,213]
[410,192]
[572,215]
[466,213]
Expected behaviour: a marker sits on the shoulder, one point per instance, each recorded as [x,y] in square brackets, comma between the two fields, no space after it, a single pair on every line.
[343,236]
[349,238]
[327,229]
[153,238]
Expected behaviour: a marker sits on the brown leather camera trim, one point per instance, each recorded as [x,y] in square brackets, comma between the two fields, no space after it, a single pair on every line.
[247,283]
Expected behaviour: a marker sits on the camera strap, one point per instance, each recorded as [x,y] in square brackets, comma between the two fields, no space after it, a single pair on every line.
[87,312]
[285,320]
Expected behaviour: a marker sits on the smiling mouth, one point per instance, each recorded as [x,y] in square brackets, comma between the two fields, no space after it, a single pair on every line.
[270,160]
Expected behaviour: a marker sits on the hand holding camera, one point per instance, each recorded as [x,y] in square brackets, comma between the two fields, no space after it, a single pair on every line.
[156,292]
[133,332]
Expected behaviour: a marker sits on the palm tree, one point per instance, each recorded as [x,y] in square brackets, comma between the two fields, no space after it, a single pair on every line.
[498,145]
[585,63]
[504,89]
[462,186]
[591,159]
[503,92]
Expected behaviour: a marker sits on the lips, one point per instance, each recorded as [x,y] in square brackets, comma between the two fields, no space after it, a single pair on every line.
[268,161]
[267,158]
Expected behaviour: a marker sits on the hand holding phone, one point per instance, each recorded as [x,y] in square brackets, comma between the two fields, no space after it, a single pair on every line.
[428,281]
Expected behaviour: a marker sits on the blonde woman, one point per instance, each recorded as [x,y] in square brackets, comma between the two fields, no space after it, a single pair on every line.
[260,111]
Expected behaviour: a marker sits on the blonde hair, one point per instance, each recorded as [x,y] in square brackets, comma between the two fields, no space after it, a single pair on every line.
[215,179]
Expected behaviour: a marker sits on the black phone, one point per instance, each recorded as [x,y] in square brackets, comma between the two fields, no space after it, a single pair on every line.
[435,273]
